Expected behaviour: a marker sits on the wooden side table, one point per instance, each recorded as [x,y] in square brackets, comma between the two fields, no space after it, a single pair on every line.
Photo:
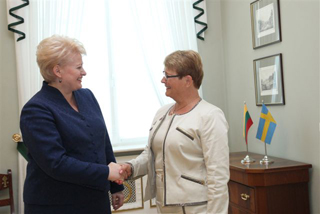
[281,187]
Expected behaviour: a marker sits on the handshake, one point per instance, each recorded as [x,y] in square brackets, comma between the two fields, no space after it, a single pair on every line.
[119,172]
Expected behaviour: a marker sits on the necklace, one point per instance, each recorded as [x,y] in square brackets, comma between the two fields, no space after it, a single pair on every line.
[174,109]
[175,105]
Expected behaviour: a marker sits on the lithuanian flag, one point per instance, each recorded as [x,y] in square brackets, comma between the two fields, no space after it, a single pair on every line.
[247,123]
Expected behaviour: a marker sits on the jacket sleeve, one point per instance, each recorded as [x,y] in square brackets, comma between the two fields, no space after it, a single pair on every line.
[214,139]
[140,164]
[42,138]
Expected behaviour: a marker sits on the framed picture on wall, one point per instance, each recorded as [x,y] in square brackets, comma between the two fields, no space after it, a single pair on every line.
[265,22]
[153,202]
[133,195]
[268,78]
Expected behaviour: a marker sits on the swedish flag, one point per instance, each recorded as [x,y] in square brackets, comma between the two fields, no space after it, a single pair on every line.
[267,126]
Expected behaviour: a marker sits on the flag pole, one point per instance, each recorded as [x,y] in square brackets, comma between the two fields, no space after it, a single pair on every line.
[265,160]
[247,159]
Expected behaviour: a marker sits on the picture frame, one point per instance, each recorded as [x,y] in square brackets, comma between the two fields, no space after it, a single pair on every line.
[265,22]
[153,203]
[268,79]
[133,196]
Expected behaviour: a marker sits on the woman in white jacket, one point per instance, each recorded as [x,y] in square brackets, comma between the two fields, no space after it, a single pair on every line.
[187,157]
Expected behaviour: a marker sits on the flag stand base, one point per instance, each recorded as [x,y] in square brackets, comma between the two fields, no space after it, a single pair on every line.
[247,160]
[266,161]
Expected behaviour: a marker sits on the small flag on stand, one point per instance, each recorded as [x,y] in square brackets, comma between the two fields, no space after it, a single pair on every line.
[21,147]
[247,123]
[23,150]
[267,125]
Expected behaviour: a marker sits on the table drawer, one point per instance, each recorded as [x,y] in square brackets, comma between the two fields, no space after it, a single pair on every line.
[242,195]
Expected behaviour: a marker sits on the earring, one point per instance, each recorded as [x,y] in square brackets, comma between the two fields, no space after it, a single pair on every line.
[60,80]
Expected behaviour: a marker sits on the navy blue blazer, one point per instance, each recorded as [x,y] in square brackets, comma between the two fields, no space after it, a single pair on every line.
[68,150]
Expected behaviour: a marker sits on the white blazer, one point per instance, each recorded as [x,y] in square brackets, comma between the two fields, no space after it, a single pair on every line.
[195,161]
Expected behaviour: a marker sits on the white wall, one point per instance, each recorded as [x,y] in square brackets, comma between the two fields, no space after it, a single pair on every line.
[9,115]
[212,54]
[297,133]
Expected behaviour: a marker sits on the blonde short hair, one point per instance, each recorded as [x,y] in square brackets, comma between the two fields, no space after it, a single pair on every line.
[56,50]
[186,63]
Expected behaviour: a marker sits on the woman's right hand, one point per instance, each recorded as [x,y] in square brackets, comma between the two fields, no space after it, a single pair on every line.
[126,170]
[115,172]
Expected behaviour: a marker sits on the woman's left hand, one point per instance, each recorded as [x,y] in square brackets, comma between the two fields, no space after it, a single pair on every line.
[117,200]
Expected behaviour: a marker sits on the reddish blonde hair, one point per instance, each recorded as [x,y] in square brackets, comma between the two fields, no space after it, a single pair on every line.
[186,63]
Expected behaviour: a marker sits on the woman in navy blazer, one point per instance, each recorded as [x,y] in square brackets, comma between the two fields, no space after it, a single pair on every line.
[71,164]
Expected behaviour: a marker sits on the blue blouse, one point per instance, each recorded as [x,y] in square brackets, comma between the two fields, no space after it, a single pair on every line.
[68,150]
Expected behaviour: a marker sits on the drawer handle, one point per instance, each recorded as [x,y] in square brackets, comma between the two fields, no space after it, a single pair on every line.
[245,197]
